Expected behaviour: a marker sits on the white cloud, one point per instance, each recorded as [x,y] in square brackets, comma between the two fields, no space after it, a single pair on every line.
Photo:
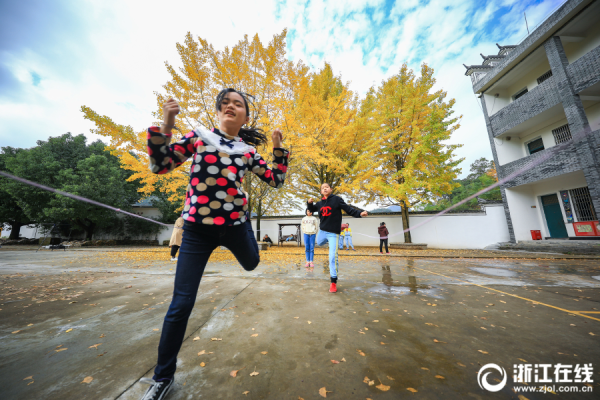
[110,55]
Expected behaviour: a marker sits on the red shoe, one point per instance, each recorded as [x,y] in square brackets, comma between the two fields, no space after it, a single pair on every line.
[333,287]
[388,252]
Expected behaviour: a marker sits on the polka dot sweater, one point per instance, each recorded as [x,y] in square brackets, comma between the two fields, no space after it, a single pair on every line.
[214,195]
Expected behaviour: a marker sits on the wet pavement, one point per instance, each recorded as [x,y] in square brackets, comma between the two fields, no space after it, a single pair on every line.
[399,327]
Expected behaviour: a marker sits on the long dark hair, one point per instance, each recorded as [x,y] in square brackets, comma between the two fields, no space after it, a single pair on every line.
[251,135]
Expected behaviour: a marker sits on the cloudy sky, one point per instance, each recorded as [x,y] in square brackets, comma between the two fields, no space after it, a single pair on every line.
[56,56]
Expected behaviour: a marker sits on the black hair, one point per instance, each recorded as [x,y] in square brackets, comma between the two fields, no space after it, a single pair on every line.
[382,224]
[251,135]
[307,210]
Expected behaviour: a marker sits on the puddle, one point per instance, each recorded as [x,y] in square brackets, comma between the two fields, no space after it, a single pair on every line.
[597,277]
[494,272]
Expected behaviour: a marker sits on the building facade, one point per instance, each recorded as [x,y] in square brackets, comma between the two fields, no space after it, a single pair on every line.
[541,104]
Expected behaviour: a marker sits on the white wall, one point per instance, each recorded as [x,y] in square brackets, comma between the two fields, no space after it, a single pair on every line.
[450,231]
[575,50]
[593,115]
[520,199]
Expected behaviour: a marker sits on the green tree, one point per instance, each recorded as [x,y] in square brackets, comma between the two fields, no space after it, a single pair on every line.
[11,214]
[67,163]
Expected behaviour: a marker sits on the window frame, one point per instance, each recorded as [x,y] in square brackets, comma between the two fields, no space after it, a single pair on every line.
[520,93]
[531,141]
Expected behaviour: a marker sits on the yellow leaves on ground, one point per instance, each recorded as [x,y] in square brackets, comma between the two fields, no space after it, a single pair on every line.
[203,364]
[263,352]
[196,338]
[254,373]
[460,364]
[61,349]
[254,335]
[16,331]
[438,341]
[234,372]
[361,353]
[245,393]
[323,392]
[214,339]
[440,377]
[368,381]
[335,362]
[425,368]
[95,346]
[309,322]
[483,352]
[87,379]
[68,330]
[383,387]
[412,390]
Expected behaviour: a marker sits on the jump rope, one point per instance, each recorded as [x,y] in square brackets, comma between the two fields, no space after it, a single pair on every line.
[548,153]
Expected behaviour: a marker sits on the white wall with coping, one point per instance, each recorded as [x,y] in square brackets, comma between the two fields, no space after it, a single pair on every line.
[521,199]
[450,231]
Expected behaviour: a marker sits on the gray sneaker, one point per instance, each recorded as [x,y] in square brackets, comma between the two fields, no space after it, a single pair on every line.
[157,390]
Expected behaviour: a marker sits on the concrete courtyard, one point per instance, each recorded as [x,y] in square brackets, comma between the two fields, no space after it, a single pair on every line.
[85,324]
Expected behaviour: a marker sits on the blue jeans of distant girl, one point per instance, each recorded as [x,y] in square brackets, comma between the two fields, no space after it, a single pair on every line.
[309,245]
[333,238]
[198,243]
[349,244]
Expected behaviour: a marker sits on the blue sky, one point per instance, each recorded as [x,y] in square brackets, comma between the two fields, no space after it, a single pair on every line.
[109,55]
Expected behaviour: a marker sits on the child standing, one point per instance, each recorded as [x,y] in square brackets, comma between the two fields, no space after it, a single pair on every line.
[383,238]
[310,227]
[330,213]
[348,238]
[215,210]
[175,242]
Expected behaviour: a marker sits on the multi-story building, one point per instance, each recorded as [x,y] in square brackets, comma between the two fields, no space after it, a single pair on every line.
[542,93]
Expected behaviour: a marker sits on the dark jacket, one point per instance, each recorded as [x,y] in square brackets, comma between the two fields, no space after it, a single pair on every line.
[330,212]
[383,232]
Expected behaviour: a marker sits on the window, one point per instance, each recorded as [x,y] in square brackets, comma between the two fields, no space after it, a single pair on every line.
[562,134]
[535,146]
[544,77]
[520,93]
[582,202]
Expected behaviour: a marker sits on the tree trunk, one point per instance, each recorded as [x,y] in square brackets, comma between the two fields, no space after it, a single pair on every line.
[15,230]
[405,223]
[258,215]
[89,231]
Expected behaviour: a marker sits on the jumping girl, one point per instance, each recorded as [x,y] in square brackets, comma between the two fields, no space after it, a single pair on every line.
[310,227]
[330,213]
[215,211]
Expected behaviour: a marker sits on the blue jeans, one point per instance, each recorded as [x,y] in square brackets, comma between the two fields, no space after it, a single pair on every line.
[309,245]
[198,243]
[341,242]
[349,242]
[333,238]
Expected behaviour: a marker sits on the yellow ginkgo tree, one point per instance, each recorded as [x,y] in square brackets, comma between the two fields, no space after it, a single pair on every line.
[250,66]
[406,161]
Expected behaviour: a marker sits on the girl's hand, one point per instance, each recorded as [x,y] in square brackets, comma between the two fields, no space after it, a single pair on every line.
[170,110]
[277,138]
[364,214]
[310,201]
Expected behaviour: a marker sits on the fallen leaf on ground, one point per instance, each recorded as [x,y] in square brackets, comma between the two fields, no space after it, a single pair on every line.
[323,392]
[309,322]
[386,309]
[375,320]
[202,352]
[440,377]
[437,341]
[520,359]
[366,380]
[29,377]
[254,335]
[16,331]
[245,393]
[155,330]
[361,352]
[335,362]
[254,373]
[263,352]
[430,324]
[214,339]
[203,364]
[64,348]
[343,360]
[521,397]
[391,330]
[101,336]
[425,368]
[30,325]
[87,379]
[196,338]
[483,352]
[68,330]
[296,317]
[95,346]
[390,378]
[592,333]
[382,387]
[234,373]
[412,390]
[382,343]
[461,364]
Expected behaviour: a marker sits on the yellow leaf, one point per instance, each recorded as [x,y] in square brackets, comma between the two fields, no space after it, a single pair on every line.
[253,373]
[95,346]
[63,349]
[361,352]
[343,360]
[412,390]
[309,322]
[383,387]
[87,379]
[263,352]
[335,362]
[68,330]
[245,393]
[425,368]
[390,378]
[440,377]
[196,338]
[254,335]
[155,330]
[520,359]
[461,364]
[391,330]
[202,352]
[323,392]
[29,377]
[483,352]
[521,397]
[438,341]
[216,339]
[203,364]
[16,331]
